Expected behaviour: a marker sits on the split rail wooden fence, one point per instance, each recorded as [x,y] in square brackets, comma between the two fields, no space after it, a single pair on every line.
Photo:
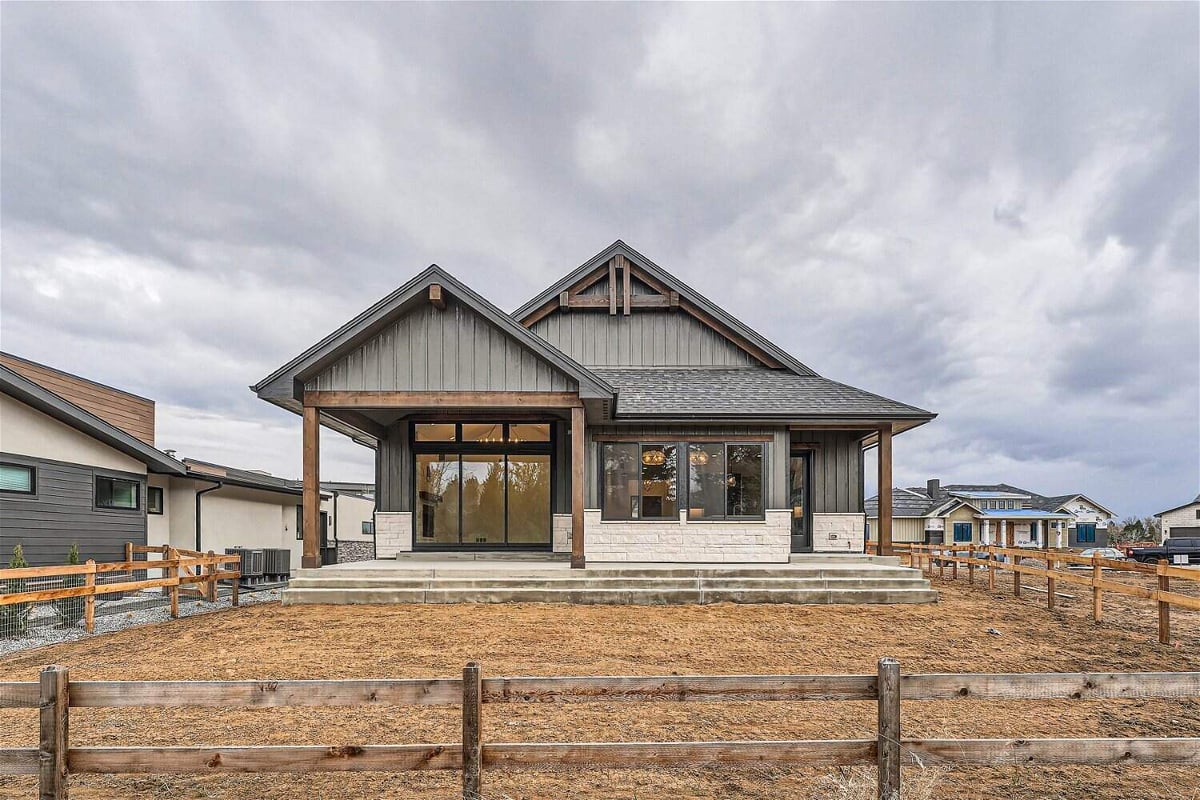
[930,558]
[180,569]
[55,760]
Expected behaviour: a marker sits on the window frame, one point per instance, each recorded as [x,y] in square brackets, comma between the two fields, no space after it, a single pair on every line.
[504,448]
[162,500]
[368,527]
[1091,528]
[683,478]
[33,480]
[139,493]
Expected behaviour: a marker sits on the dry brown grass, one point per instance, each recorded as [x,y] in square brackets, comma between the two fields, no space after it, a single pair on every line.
[415,641]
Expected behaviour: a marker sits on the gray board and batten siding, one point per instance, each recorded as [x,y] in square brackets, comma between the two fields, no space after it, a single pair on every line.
[62,512]
[450,349]
[642,339]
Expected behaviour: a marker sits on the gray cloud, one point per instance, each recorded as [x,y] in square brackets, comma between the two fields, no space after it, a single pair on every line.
[986,210]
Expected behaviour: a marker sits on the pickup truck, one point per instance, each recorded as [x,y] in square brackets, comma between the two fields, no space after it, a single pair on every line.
[1168,550]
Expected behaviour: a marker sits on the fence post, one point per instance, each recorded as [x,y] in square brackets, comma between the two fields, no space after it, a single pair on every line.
[89,602]
[52,744]
[212,581]
[1051,584]
[1097,599]
[942,563]
[971,566]
[472,723]
[1016,565]
[1164,606]
[129,552]
[954,568]
[237,582]
[887,748]
[173,572]
[991,568]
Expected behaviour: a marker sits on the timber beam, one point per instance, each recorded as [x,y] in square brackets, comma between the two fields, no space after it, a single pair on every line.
[490,400]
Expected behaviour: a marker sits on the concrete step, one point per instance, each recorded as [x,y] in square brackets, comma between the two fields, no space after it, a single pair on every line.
[656,573]
[613,596]
[571,583]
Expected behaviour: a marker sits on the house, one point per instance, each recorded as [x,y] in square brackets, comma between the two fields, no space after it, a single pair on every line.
[997,514]
[78,466]
[1182,520]
[617,416]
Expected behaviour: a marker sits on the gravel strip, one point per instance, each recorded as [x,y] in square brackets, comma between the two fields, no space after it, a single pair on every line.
[117,615]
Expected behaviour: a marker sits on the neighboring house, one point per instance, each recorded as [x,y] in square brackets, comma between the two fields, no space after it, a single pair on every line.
[997,514]
[91,476]
[1182,520]
[617,416]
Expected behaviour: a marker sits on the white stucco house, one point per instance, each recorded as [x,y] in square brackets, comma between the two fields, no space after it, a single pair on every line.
[1182,520]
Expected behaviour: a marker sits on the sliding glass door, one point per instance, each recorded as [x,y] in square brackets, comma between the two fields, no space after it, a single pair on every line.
[482,485]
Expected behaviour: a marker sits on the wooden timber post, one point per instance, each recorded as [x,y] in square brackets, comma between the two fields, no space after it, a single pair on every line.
[1097,596]
[971,566]
[89,602]
[885,490]
[991,550]
[311,557]
[211,586]
[472,726]
[887,751]
[173,572]
[1164,606]
[1016,568]
[53,738]
[578,476]
[1051,584]
[954,568]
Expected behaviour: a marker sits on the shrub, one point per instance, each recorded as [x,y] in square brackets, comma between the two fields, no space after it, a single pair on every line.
[14,619]
[69,610]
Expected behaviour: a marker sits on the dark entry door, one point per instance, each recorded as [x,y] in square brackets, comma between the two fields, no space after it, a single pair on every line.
[799,482]
[328,550]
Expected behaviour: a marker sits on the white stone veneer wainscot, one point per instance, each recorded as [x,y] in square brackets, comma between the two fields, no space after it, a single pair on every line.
[839,533]
[761,541]
[561,533]
[393,533]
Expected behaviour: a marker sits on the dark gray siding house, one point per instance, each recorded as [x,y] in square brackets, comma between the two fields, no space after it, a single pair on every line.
[69,477]
[618,416]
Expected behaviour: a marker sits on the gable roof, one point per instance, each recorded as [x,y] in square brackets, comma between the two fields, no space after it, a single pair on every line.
[245,478]
[690,300]
[279,387]
[745,392]
[51,404]
[1177,508]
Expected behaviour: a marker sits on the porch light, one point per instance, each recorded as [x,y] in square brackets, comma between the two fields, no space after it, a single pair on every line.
[698,458]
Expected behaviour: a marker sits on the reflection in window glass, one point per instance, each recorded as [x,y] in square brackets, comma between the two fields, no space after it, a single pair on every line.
[659,481]
[437,498]
[116,493]
[706,480]
[621,472]
[482,499]
[528,499]
[435,432]
[529,432]
[743,484]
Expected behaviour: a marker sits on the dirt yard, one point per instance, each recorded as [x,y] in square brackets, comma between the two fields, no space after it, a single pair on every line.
[268,641]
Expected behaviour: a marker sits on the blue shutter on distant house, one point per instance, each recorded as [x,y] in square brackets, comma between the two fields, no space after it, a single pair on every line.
[962,531]
[1085,532]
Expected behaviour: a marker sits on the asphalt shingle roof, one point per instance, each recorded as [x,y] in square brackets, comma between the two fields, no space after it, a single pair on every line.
[743,391]
[916,502]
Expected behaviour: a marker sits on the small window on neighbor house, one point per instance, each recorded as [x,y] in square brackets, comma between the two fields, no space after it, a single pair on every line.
[117,493]
[368,528]
[1198,513]
[17,479]
[154,500]
[1012,504]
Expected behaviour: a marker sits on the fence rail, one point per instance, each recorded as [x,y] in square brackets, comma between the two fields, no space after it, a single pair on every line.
[24,587]
[937,557]
[54,760]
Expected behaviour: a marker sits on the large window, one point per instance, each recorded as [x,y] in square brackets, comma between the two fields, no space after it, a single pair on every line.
[17,479]
[712,480]
[482,484]
[1085,532]
[117,493]
[962,531]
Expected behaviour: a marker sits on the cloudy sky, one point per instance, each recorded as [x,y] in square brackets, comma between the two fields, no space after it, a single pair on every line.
[990,211]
